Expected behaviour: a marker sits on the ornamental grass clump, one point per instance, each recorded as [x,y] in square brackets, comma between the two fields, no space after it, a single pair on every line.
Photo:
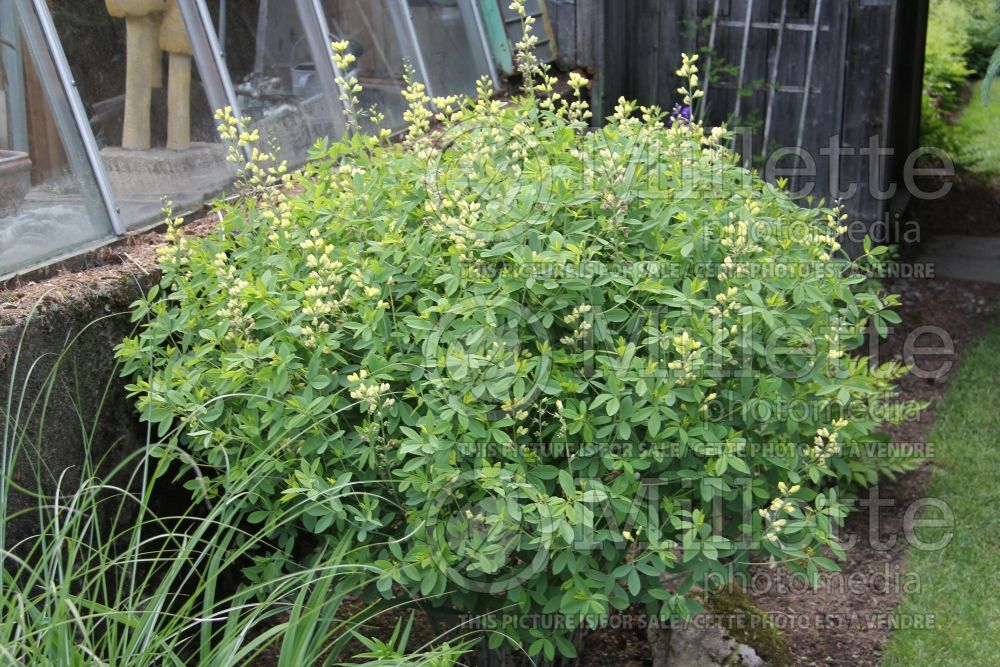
[94,570]
[508,358]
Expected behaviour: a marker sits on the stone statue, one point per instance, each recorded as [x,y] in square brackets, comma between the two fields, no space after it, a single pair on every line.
[174,40]
[154,26]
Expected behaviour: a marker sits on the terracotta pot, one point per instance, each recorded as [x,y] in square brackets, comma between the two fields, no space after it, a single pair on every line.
[15,179]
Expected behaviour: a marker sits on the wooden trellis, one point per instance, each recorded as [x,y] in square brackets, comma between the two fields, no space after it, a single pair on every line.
[747,26]
[788,57]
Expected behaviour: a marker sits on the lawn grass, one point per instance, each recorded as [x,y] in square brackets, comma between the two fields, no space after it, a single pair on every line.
[978,134]
[959,584]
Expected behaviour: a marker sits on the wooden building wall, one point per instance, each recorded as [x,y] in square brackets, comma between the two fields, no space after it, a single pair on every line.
[796,73]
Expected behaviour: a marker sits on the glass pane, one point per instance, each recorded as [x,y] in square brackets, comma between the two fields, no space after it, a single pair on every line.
[147,107]
[274,75]
[450,44]
[375,37]
[50,204]
[515,27]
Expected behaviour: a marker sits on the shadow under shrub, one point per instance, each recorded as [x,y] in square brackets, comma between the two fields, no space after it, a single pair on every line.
[485,357]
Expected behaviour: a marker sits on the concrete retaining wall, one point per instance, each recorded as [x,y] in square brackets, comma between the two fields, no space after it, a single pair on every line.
[58,378]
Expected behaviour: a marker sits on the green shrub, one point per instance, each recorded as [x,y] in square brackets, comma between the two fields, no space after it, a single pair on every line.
[962,42]
[936,129]
[946,70]
[521,333]
[993,63]
[983,21]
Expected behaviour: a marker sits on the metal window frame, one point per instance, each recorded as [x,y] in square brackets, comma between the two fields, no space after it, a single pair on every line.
[406,33]
[36,19]
[11,61]
[208,55]
[496,32]
[35,15]
[474,23]
[410,42]
[211,59]
[317,31]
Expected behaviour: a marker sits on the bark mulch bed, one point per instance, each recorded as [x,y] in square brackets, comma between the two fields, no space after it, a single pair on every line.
[845,621]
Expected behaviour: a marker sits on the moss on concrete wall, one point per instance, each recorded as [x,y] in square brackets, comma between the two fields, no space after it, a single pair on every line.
[59,388]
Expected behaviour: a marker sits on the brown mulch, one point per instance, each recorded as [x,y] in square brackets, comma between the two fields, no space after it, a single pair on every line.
[846,620]
[969,209]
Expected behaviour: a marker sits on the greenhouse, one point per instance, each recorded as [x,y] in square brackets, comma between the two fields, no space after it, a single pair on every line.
[98,135]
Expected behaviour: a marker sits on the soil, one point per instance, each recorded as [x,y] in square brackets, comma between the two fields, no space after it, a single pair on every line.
[134,257]
[969,209]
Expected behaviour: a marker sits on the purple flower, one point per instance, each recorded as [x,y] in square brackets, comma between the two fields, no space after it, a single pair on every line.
[680,114]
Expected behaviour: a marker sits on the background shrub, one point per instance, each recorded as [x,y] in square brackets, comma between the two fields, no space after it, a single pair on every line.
[949,41]
[962,37]
[509,361]
[993,64]
[983,22]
